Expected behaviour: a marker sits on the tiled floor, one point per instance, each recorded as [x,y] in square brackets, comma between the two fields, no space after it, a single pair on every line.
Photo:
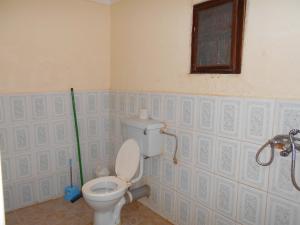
[60,212]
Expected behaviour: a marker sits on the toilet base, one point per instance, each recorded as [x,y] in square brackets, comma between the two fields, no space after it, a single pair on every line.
[110,217]
[105,219]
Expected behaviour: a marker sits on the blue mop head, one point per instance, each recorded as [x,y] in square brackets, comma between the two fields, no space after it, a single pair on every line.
[72,193]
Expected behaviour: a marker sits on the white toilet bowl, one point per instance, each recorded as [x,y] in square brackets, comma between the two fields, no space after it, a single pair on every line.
[106,194]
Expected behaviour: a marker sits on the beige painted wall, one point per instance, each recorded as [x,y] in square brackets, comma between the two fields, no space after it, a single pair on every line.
[151,50]
[52,45]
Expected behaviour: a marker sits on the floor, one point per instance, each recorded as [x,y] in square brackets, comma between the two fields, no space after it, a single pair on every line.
[60,212]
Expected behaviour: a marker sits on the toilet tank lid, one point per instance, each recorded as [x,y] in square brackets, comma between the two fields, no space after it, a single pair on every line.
[142,124]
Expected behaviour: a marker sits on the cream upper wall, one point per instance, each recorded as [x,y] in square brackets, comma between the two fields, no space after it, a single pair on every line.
[52,45]
[151,50]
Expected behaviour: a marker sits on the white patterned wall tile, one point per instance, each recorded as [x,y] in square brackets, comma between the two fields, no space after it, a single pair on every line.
[9,195]
[82,129]
[230,117]
[156,106]
[24,166]
[187,111]
[122,103]
[132,104]
[169,143]
[105,103]
[115,126]
[108,149]
[91,103]
[147,167]
[18,107]
[39,107]
[84,153]
[61,132]
[280,182]
[46,188]
[44,162]
[287,116]
[282,212]
[60,108]
[5,141]
[94,151]
[155,167]
[154,198]
[170,109]
[55,131]
[93,127]
[225,197]
[107,128]
[62,156]
[185,146]
[227,158]
[62,180]
[168,172]
[89,171]
[221,220]
[250,172]
[144,101]
[7,171]
[2,110]
[21,139]
[117,145]
[168,203]
[184,180]
[76,179]
[26,193]
[258,120]
[41,135]
[203,187]
[73,154]
[206,114]
[204,147]
[183,210]
[114,102]
[59,105]
[201,215]
[79,103]
[251,206]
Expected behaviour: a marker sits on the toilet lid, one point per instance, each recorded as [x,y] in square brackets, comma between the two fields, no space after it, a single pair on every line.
[128,159]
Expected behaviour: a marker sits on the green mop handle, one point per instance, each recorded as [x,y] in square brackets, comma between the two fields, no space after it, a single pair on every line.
[77,136]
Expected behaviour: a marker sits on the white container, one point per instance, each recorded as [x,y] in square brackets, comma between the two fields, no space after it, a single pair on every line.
[146,133]
[101,172]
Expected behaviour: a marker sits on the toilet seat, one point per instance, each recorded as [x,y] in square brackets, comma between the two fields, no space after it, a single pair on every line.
[112,187]
[128,160]
[104,188]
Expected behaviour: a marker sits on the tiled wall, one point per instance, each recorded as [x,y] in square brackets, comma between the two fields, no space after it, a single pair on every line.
[37,139]
[217,180]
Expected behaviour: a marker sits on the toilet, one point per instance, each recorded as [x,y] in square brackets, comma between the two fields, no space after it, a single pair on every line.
[106,194]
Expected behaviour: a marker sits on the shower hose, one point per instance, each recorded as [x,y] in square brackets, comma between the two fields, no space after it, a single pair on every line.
[288,145]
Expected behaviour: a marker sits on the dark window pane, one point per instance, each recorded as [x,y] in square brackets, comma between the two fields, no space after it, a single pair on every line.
[214,39]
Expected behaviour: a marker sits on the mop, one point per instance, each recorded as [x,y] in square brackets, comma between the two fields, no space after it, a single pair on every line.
[73,193]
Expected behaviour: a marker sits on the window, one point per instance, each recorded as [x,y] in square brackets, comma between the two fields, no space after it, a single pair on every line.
[217,36]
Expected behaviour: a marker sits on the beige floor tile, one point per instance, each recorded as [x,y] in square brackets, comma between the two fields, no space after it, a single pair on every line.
[60,212]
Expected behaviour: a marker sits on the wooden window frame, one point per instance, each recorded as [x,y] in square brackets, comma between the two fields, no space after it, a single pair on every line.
[238,18]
